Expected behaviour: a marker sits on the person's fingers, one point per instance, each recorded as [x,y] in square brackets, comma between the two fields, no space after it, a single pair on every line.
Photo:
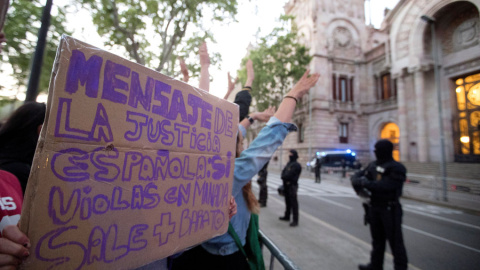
[13,233]
[9,261]
[10,248]
[203,47]
[305,75]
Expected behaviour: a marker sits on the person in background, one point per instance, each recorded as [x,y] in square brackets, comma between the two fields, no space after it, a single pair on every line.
[18,141]
[290,175]
[318,170]
[262,182]
[344,168]
[222,252]
[383,179]
[243,98]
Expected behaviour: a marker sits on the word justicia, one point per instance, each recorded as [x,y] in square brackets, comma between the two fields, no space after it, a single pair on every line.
[122,85]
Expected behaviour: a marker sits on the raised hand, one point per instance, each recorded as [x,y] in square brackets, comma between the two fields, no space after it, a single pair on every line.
[265,115]
[204,64]
[204,57]
[184,70]
[250,73]
[303,85]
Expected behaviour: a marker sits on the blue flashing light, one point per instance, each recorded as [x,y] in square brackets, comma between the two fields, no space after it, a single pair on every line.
[318,153]
[353,154]
[349,151]
[324,154]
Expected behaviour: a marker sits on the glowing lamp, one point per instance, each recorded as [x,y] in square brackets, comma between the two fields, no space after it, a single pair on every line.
[465,139]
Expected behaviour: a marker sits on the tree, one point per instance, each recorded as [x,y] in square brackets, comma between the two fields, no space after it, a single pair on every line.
[21,29]
[278,60]
[152,31]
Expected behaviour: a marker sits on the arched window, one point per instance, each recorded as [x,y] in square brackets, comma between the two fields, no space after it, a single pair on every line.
[391,132]
[467,135]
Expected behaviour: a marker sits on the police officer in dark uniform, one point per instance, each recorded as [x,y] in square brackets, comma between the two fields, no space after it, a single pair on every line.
[262,182]
[290,175]
[383,180]
[318,170]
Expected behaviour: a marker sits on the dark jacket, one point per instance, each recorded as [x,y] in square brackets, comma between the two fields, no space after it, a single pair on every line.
[385,181]
[291,173]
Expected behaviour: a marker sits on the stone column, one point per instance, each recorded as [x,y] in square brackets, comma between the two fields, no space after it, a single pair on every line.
[420,115]
[402,118]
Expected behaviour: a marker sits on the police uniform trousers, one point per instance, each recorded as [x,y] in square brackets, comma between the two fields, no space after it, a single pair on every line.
[386,225]
[291,203]
[263,195]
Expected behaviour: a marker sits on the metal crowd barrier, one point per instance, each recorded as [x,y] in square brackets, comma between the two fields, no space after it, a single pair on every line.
[276,253]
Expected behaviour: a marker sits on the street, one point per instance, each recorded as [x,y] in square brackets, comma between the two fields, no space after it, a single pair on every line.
[436,237]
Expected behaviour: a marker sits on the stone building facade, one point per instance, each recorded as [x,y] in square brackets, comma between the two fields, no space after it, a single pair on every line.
[380,83]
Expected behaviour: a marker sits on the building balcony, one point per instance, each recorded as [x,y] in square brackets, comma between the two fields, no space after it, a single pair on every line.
[380,106]
[343,106]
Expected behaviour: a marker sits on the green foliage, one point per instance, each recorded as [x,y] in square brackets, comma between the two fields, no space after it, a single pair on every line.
[153,31]
[21,30]
[278,61]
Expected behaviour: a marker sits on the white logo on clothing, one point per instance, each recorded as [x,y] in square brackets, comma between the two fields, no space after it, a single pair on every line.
[7,203]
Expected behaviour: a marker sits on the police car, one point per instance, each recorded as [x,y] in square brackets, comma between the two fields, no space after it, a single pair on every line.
[333,159]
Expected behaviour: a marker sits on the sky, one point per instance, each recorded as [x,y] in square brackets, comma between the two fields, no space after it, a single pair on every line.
[232,40]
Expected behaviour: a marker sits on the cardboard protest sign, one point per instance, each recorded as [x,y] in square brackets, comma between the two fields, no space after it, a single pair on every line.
[131,165]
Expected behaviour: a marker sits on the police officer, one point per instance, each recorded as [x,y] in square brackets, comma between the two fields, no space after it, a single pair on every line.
[262,182]
[383,179]
[318,170]
[290,175]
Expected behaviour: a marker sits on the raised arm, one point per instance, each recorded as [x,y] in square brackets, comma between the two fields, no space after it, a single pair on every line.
[248,83]
[258,116]
[250,73]
[289,102]
[184,70]
[271,136]
[231,85]
[204,65]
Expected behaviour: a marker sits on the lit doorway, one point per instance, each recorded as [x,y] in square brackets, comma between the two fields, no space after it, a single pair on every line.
[467,135]
[391,132]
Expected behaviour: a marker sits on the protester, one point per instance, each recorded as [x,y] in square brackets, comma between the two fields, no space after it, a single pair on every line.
[344,168]
[222,252]
[243,98]
[262,182]
[318,170]
[18,141]
[383,179]
[290,175]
